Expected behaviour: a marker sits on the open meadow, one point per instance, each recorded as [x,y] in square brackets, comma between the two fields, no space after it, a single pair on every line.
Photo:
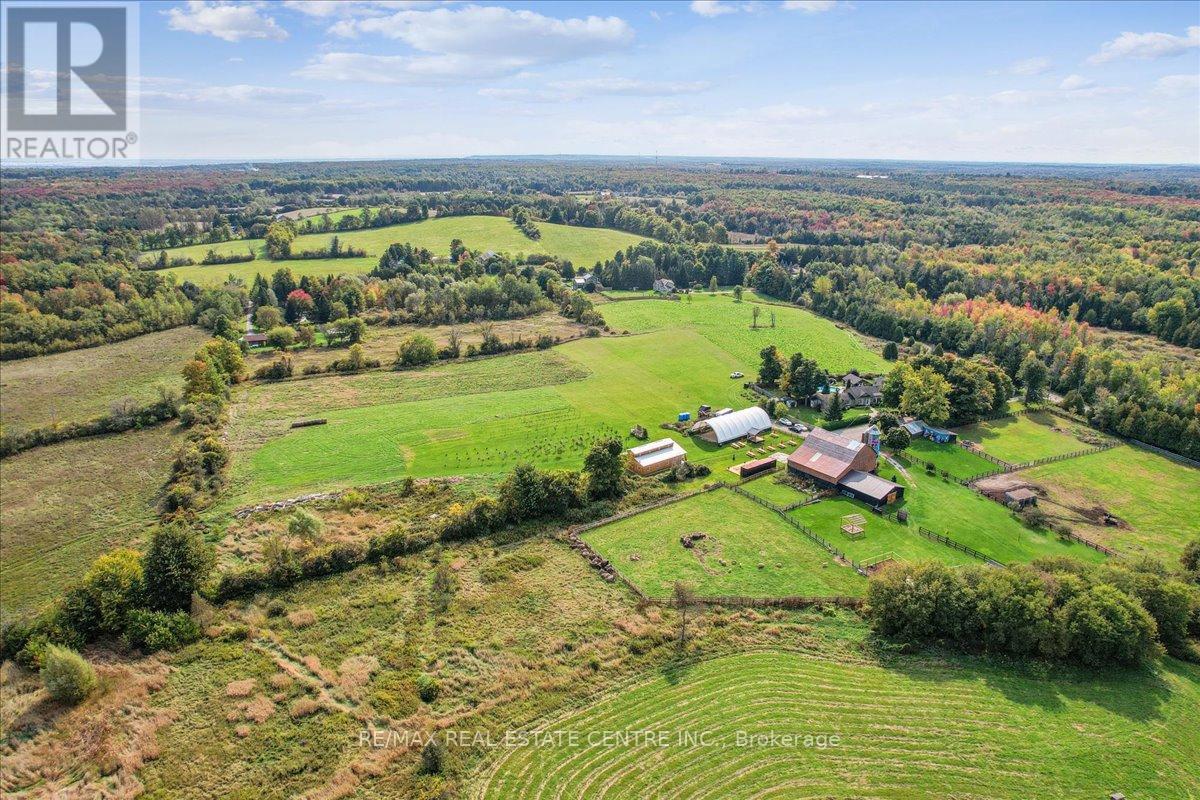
[1061,735]
[67,504]
[583,247]
[958,461]
[746,550]
[542,407]
[81,384]
[1151,495]
[1026,437]
[726,323]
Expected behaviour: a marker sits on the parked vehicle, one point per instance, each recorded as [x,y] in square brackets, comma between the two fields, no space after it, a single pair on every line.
[734,375]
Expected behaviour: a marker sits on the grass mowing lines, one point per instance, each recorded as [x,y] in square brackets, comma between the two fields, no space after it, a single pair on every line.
[726,324]
[1151,494]
[1023,438]
[747,550]
[906,729]
[582,246]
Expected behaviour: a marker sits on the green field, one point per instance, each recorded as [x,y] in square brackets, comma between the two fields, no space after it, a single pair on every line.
[882,537]
[1023,438]
[726,324]
[763,556]
[68,503]
[1154,495]
[81,384]
[778,493]
[953,510]
[582,246]
[930,729]
[544,407]
[956,460]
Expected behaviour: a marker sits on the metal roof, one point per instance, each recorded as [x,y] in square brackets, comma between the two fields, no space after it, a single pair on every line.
[736,424]
[872,486]
[647,455]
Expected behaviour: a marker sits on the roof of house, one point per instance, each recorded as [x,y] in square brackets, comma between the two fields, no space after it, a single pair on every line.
[656,452]
[735,424]
[852,379]
[863,390]
[664,285]
[255,337]
[1018,495]
[830,456]
[865,483]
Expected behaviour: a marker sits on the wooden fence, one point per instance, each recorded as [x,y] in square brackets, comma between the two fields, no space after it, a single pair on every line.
[804,529]
[742,601]
[962,548]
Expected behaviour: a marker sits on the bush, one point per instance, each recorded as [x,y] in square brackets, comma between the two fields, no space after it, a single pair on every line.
[303,524]
[433,757]
[151,631]
[428,688]
[174,566]
[67,676]
[416,350]
[1105,626]
[277,371]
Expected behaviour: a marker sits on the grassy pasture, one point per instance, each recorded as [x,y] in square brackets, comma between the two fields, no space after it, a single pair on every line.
[1023,438]
[545,407]
[958,461]
[953,510]
[68,503]
[726,324]
[913,728]
[762,555]
[1152,493]
[882,537]
[582,246]
[774,492]
[81,384]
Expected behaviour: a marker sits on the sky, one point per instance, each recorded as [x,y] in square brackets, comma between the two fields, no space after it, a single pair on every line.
[1103,82]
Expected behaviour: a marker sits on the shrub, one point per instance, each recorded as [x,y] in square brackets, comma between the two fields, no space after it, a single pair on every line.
[276,371]
[67,676]
[151,631]
[175,565]
[1104,626]
[303,524]
[416,350]
[428,688]
[433,757]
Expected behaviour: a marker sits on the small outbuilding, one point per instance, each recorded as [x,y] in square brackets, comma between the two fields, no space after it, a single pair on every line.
[1020,497]
[756,467]
[255,339]
[656,456]
[664,286]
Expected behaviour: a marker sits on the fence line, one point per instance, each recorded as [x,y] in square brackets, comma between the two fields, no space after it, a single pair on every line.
[946,540]
[744,601]
[1064,456]
[804,529]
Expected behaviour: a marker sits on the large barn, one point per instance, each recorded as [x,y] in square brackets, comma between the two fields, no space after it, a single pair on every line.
[647,459]
[724,428]
[839,463]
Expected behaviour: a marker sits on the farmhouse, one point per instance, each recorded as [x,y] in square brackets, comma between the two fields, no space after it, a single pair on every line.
[858,393]
[647,459]
[722,428]
[255,339]
[664,286]
[836,462]
[588,282]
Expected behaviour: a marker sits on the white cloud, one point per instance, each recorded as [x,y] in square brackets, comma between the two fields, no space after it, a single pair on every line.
[712,8]
[1178,85]
[238,94]
[1030,66]
[342,8]
[232,22]
[809,6]
[628,86]
[1146,45]
[467,44]
[1074,83]
[789,112]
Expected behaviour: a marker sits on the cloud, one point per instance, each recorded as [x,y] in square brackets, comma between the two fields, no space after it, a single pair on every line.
[629,86]
[1074,83]
[467,44]
[1178,85]
[1030,66]
[712,8]
[232,22]
[809,6]
[238,94]
[324,9]
[789,112]
[1146,46]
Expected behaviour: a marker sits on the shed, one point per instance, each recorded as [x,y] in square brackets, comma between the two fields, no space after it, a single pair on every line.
[1021,497]
[664,286]
[656,456]
[757,466]
[871,488]
[255,339]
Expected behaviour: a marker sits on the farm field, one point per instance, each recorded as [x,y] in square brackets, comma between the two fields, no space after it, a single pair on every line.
[1023,438]
[727,325]
[382,341]
[582,246]
[544,407]
[1152,494]
[81,384]
[778,493]
[882,537]
[970,519]
[958,461]
[1065,736]
[68,503]
[749,551]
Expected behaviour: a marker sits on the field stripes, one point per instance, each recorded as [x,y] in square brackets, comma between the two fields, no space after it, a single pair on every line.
[928,731]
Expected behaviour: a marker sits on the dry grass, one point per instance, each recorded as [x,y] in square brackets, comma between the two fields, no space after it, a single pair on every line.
[304,707]
[242,688]
[301,618]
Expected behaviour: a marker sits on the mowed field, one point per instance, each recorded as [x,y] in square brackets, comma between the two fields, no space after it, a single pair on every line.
[81,384]
[483,417]
[958,461]
[68,503]
[726,324]
[748,550]
[934,729]
[1153,495]
[581,246]
[1025,437]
